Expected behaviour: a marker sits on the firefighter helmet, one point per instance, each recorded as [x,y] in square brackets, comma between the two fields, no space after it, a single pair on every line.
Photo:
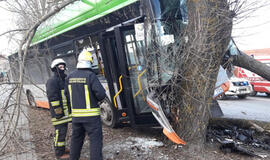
[85,59]
[57,62]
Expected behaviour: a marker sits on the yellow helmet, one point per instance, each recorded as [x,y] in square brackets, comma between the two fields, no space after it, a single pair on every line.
[85,56]
[85,59]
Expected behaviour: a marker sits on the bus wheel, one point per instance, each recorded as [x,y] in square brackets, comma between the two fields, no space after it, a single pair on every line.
[108,114]
[30,98]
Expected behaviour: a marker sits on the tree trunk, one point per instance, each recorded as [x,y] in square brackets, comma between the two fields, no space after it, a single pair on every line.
[208,33]
[251,64]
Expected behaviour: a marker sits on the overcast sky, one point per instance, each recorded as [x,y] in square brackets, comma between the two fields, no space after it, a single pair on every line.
[252,33]
[6,25]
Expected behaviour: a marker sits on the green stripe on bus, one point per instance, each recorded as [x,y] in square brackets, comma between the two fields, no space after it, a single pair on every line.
[85,16]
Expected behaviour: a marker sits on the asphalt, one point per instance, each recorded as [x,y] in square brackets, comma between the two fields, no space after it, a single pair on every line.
[252,108]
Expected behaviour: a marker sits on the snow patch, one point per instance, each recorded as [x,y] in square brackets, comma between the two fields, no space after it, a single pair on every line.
[145,142]
[137,146]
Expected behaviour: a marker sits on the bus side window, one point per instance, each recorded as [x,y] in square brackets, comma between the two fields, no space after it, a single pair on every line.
[95,62]
[97,65]
[100,63]
[91,45]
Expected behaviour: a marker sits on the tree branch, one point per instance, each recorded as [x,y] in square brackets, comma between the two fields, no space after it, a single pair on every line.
[14,30]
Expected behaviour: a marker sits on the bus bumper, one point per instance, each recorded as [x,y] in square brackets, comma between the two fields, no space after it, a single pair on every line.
[163,121]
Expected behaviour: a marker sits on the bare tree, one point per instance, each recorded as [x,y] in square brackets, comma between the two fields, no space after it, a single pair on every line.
[244,10]
[208,34]
[249,63]
[25,14]
[12,108]
[196,59]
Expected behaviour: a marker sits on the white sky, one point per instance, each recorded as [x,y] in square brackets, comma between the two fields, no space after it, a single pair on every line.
[252,33]
[6,25]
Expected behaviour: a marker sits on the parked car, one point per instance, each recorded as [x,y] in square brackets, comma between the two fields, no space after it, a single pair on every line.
[239,87]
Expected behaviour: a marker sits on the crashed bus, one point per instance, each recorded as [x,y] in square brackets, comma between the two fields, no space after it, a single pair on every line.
[124,37]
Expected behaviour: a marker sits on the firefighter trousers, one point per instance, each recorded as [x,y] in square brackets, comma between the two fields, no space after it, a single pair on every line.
[60,138]
[93,128]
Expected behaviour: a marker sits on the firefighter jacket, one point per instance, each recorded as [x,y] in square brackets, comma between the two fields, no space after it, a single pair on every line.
[59,105]
[84,91]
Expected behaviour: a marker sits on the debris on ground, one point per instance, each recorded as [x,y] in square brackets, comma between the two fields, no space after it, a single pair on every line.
[128,143]
[249,141]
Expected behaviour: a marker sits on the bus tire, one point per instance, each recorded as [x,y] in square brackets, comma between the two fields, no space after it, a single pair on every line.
[30,99]
[108,113]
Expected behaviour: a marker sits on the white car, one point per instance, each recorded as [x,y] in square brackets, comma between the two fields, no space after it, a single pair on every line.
[239,87]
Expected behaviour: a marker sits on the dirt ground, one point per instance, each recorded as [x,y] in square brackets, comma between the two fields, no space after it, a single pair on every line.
[125,143]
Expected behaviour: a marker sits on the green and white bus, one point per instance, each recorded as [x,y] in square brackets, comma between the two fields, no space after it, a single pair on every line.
[125,38]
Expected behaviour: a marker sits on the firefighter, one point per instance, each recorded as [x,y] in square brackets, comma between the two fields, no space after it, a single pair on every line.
[59,107]
[85,91]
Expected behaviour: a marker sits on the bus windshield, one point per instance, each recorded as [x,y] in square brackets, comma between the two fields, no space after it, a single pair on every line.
[169,19]
[173,9]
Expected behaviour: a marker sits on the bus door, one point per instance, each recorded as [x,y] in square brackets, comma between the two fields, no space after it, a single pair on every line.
[127,68]
[118,112]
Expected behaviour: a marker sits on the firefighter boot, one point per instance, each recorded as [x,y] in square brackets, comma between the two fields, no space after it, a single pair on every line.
[63,157]
[67,150]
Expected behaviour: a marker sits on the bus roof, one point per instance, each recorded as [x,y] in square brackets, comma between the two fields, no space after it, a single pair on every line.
[76,14]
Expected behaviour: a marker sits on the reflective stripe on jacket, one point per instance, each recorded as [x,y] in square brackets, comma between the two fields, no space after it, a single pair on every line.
[84,90]
[59,105]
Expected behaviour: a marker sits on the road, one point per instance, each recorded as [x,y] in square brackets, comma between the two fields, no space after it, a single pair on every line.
[253,108]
